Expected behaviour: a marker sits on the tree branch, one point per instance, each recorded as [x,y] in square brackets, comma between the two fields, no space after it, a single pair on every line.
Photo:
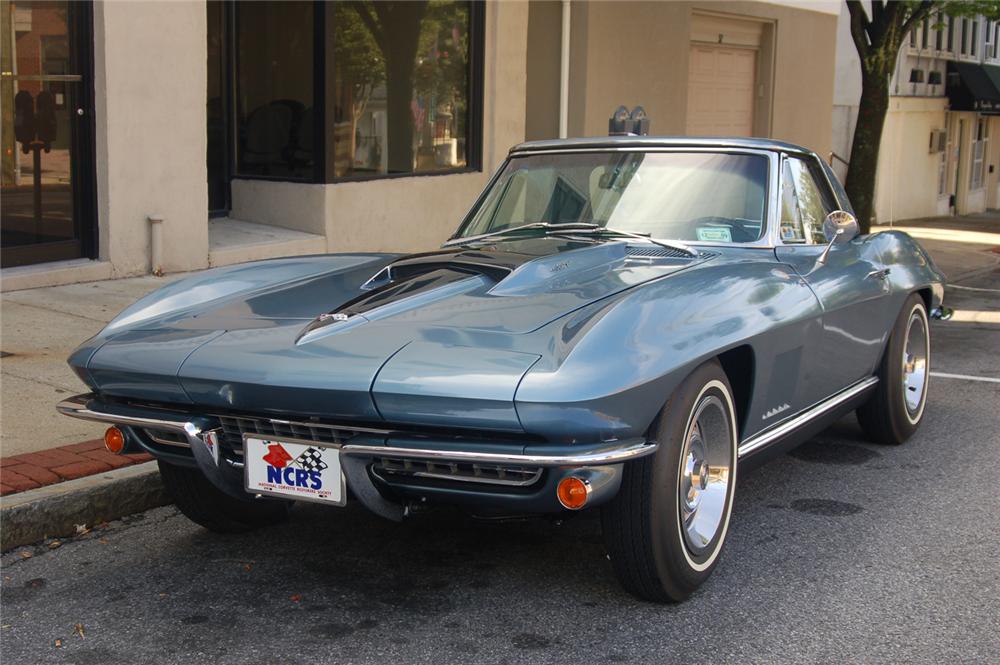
[859,26]
[878,12]
[922,11]
[370,22]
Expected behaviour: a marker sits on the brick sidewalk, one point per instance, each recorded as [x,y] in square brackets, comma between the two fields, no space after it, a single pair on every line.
[48,467]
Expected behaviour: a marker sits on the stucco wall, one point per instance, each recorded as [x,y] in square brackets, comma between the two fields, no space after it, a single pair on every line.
[544,53]
[993,161]
[292,205]
[907,181]
[652,67]
[150,84]
[847,78]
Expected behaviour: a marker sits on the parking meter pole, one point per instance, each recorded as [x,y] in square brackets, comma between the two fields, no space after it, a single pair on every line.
[36,152]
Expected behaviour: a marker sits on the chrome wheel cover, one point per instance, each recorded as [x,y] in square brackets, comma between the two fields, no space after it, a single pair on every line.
[916,365]
[707,460]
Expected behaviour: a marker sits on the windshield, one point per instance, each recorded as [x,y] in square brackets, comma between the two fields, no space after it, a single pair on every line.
[687,196]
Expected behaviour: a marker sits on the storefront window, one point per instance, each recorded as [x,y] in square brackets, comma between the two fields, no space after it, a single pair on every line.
[349,90]
[400,97]
[275,98]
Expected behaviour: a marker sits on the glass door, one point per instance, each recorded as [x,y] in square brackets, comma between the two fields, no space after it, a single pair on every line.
[218,108]
[47,211]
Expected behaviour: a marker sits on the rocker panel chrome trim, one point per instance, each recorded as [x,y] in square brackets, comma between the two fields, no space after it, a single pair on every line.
[786,427]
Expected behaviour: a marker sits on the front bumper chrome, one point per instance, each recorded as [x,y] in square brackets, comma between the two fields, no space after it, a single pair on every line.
[359,451]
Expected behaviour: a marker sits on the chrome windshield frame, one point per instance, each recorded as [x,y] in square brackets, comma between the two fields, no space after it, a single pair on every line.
[767,240]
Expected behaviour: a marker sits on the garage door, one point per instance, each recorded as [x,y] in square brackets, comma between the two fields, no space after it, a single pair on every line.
[720,91]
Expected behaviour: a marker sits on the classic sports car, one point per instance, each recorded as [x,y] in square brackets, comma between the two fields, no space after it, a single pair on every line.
[619,323]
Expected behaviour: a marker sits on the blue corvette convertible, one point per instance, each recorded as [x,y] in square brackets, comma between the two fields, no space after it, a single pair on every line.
[619,323]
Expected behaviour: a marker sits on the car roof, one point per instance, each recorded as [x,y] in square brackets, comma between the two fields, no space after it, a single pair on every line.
[608,142]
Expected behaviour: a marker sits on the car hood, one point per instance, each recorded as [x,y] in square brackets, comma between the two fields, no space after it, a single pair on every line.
[387,337]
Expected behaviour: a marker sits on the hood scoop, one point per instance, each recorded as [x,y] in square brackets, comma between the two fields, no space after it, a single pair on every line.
[458,287]
[393,298]
[418,280]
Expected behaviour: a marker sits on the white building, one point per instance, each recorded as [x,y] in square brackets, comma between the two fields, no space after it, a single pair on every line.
[936,156]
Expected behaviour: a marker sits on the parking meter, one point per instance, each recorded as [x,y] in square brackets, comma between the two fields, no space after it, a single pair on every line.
[24,120]
[46,127]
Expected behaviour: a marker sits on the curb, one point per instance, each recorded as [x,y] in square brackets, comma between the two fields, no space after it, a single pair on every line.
[56,510]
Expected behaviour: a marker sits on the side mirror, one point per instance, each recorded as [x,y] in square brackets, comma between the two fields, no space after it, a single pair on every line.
[839,227]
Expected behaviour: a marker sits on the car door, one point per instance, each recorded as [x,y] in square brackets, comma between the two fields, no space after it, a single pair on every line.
[851,284]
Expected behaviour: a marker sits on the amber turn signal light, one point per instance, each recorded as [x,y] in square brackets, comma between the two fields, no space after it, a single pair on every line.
[573,492]
[114,440]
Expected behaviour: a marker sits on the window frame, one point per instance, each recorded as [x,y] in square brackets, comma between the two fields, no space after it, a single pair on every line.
[820,178]
[977,165]
[321,96]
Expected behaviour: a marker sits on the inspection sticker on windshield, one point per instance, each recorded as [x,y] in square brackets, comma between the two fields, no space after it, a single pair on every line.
[714,234]
[299,470]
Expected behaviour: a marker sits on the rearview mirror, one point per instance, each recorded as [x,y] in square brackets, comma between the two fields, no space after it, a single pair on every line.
[839,227]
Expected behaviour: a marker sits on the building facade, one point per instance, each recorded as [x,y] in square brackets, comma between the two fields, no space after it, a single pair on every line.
[936,157]
[173,136]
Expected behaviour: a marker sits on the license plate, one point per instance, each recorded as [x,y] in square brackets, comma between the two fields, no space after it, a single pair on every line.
[300,470]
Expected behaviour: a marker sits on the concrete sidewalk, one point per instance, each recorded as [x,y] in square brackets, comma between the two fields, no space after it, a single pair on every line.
[961,246]
[40,327]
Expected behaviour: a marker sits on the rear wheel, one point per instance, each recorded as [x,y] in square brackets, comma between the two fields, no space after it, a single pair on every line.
[894,411]
[666,527]
[203,504]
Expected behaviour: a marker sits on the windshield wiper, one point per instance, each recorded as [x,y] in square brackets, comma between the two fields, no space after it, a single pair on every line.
[546,226]
[595,230]
[576,228]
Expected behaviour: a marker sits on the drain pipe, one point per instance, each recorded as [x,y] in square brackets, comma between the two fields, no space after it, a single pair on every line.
[564,73]
[155,244]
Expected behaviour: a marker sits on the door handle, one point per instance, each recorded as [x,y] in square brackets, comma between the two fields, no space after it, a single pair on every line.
[878,274]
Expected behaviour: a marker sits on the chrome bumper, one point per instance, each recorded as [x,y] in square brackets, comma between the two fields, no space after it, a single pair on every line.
[356,452]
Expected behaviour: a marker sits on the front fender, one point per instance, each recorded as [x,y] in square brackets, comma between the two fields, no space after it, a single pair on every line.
[215,285]
[911,267]
[617,377]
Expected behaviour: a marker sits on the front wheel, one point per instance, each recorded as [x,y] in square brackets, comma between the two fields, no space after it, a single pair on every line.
[199,500]
[666,527]
[893,412]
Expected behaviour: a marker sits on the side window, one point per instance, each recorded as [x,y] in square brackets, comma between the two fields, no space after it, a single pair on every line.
[814,202]
[791,221]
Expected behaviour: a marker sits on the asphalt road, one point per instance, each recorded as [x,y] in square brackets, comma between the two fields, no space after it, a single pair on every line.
[838,552]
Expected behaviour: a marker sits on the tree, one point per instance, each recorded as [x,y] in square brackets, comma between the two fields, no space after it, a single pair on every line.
[877,38]
[441,75]
[360,69]
[395,26]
